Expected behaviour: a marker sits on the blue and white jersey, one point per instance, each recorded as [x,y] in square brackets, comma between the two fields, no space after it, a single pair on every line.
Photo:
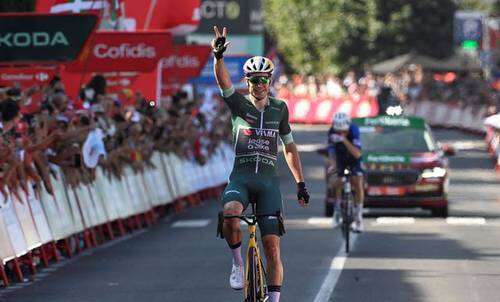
[339,150]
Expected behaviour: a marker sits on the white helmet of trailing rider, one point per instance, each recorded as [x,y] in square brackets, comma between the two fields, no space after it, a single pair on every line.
[258,64]
[341,121]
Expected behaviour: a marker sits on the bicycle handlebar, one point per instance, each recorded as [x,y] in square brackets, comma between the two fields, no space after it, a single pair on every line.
[250,219]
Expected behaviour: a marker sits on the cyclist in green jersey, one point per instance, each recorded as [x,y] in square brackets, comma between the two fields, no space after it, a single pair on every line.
[258,122]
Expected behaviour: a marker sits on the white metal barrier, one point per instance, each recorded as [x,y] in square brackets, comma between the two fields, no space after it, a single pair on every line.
[36,220]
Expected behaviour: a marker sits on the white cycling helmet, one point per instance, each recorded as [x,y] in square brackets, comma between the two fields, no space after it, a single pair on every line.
[341,121]
[258,64]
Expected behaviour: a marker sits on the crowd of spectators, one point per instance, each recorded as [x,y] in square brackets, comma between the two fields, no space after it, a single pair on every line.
[33,142]
[410,84]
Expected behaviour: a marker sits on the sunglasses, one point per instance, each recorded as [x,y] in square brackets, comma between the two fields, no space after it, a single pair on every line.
[259,80]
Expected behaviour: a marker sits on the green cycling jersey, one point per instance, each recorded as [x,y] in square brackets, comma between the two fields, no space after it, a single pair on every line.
[256,133]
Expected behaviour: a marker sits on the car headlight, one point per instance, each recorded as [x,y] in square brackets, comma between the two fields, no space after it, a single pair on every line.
[435,172]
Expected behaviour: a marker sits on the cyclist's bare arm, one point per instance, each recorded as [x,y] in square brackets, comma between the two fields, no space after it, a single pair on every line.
[293,160]
[352,149]
[221,74]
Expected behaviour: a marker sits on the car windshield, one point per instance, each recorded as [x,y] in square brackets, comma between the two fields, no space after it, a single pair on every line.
[396,139]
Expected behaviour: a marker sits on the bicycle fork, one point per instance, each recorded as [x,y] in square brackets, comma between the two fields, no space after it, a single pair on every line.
[254,258]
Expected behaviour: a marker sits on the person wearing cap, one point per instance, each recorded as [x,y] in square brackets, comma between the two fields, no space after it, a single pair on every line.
[258,121]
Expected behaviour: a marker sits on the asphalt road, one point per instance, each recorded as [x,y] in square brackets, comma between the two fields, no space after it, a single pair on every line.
[402,256]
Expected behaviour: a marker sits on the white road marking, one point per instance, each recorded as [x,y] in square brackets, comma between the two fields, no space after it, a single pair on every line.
[336,267]
[395,220]
[305,147]
[320,221]
[466,220]
[194,223]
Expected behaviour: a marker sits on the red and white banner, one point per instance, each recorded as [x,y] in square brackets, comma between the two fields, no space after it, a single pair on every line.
[26,76]
[178,17]
[116,82]
[184,62]
[321,110]
[181,64]
[74,6]
[122,51]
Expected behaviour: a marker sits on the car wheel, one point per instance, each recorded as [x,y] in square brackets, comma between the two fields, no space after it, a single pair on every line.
[440,212]
[328,209]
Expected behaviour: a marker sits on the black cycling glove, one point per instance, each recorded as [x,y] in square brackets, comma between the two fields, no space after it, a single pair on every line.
[219,47]
[302,192]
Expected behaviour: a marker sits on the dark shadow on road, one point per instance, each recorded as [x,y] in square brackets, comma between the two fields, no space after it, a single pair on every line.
[382,245]
[375,285]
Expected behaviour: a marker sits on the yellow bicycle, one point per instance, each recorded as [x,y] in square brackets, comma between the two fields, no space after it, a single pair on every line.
[255,289]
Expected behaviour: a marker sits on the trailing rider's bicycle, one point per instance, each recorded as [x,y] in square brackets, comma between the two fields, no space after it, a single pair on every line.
[346,208]
[255,289]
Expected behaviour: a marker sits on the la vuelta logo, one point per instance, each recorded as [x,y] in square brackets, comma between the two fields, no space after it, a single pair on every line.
[183,61]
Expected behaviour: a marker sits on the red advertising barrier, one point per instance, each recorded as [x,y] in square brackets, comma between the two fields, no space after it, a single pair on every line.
[321,110]
[145,82]
[26,77]
[122,51]
[492,138]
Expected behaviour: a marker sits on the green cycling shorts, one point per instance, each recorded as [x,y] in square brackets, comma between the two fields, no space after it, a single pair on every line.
[266,192]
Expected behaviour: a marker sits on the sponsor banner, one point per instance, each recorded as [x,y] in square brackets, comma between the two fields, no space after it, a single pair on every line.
[234,65]
[43,38]
[241,17]
[123,51]
[26,77]
[253,141]
[132,15]
[184,62]
[391,121]
[160,14]
[116,82]
[386,158]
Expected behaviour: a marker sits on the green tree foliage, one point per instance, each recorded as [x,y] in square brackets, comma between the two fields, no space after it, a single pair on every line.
[316,36]
[320,36]
[480,5]
[17,5]
[424,26]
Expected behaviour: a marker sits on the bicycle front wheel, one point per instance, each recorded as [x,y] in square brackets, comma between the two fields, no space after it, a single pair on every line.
[346,225]
[251,278]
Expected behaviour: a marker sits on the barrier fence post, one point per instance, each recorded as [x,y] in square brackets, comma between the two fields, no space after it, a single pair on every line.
[5,280]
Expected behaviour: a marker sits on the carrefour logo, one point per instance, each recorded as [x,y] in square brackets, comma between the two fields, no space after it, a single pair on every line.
[220,10]
[33,39]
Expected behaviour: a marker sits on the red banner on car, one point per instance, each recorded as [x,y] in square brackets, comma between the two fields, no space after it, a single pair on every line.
[123,51]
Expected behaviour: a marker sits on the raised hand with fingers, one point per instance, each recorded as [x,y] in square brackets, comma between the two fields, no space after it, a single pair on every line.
[219,44]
